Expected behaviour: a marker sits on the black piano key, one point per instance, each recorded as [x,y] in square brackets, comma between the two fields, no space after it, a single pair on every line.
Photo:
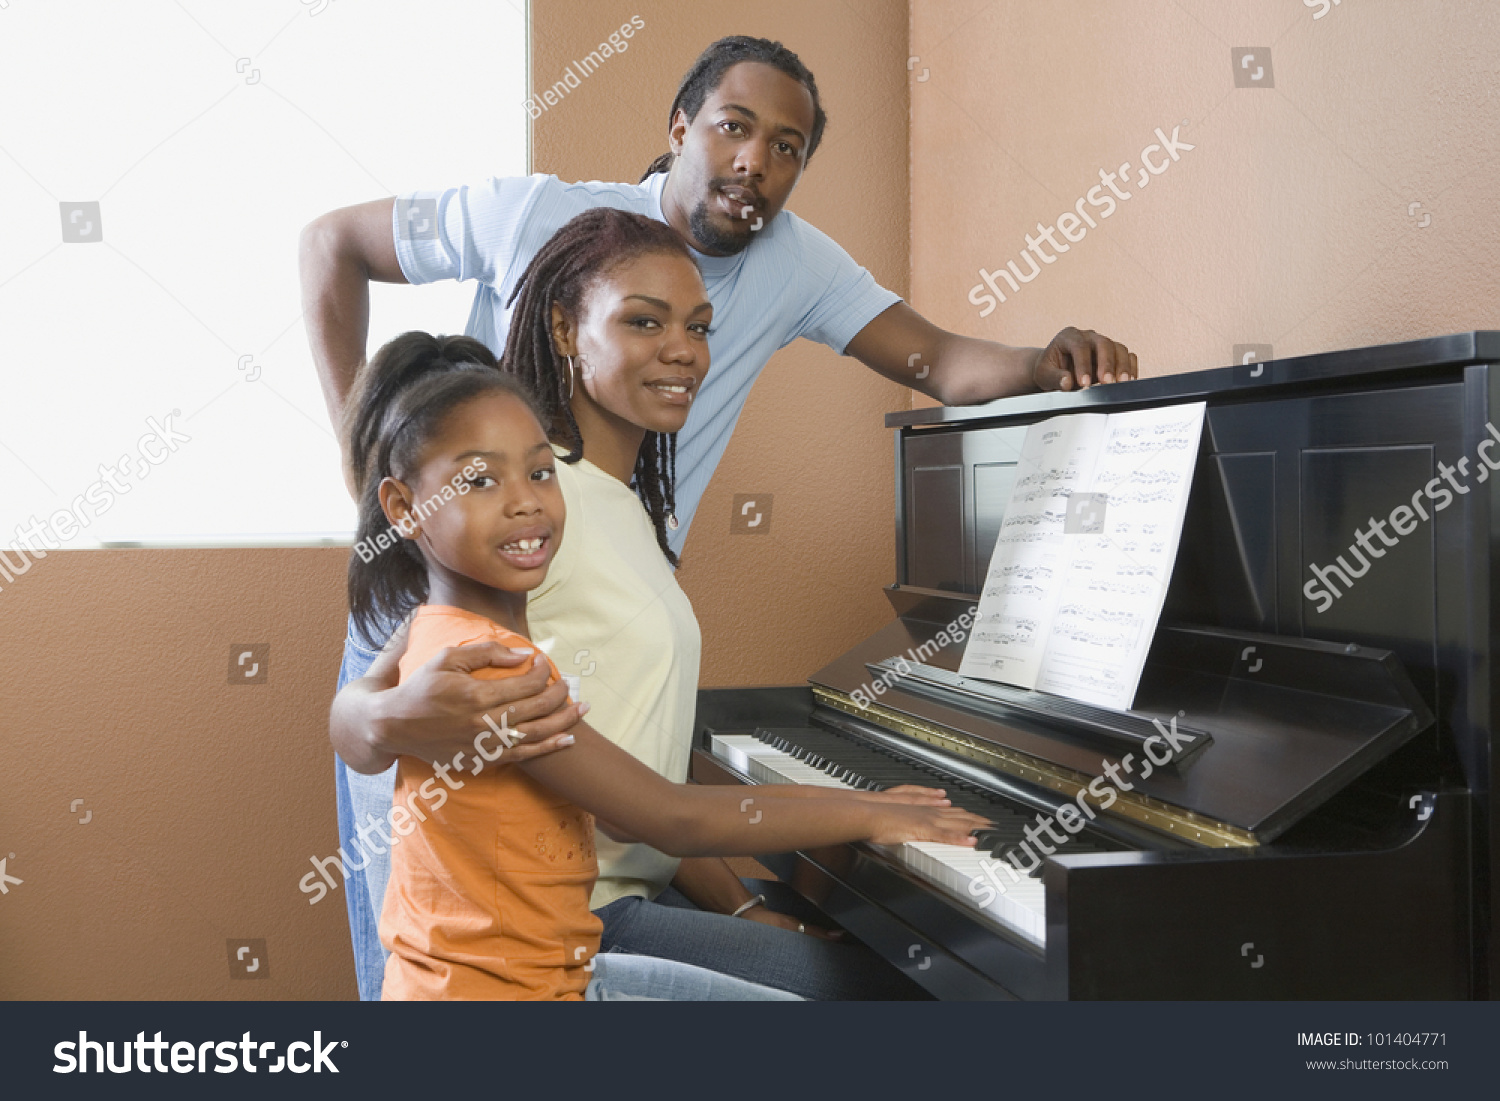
[985,840]
[1000,842]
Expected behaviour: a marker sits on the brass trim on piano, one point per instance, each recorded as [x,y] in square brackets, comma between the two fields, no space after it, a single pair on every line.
[1141,808]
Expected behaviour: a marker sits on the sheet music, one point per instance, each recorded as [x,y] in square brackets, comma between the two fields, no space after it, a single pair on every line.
[1070,606]
[1025,579]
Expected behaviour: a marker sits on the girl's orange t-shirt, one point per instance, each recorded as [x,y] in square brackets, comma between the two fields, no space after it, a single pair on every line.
[490,882]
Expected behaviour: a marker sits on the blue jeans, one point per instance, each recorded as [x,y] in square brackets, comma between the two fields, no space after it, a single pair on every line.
[671,928]
[360,796]
[623,978]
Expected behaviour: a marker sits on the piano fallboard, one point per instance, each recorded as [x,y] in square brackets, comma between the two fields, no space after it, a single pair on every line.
[1281,740]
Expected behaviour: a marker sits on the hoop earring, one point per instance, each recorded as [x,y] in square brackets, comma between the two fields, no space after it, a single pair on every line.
[570,377]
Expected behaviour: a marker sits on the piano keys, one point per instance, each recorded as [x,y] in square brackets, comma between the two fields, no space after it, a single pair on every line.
[1320,825]
[786,757]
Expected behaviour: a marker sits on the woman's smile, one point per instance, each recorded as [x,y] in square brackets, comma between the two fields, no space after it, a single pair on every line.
[674,390]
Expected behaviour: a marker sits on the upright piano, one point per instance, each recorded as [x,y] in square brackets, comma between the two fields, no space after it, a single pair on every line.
[1321,825]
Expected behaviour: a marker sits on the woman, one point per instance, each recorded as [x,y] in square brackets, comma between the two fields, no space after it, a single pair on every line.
[491,876]
[609,330]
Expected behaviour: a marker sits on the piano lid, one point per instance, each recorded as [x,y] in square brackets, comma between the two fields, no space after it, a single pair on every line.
[1382,365]
[1291,721]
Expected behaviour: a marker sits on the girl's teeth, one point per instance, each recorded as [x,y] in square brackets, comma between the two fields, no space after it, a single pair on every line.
[525,546]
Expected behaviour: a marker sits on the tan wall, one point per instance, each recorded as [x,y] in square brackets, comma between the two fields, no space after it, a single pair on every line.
[204,801]
[1287,224]
[207,800]
[772,607]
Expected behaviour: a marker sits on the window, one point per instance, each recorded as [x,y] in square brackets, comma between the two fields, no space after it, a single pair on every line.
[158,161]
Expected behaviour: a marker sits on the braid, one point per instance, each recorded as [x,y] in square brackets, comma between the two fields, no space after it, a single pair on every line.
[662,163]
[655,481]
[561,272]
[530,354]
[703,79]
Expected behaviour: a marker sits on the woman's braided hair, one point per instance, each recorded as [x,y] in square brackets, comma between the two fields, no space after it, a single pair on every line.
[703,79]
[580,252]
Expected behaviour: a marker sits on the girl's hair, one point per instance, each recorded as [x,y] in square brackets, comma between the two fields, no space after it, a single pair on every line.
[588,247]
[703,79]
[400,402]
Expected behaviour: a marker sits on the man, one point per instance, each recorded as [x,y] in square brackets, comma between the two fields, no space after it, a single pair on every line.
[742,128]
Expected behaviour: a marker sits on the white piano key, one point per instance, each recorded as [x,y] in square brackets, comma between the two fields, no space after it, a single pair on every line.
[774,766]
[1020,905]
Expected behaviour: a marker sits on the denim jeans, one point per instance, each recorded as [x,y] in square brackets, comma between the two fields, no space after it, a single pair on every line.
[625,978]
[360,796]
[671,928]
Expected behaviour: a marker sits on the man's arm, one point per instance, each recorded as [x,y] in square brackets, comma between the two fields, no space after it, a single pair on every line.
[338,255]
[905,347]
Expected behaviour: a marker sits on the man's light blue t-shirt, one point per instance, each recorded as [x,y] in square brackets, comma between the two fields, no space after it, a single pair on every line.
[791,280]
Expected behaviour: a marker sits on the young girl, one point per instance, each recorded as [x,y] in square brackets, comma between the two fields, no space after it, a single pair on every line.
[492,865]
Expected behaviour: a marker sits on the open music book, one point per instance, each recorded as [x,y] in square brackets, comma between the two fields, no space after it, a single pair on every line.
[1080,569]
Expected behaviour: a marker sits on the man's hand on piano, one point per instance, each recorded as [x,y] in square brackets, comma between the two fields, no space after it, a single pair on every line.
[897,824]
[1077,359]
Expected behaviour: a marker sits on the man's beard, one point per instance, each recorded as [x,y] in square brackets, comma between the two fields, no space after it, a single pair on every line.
[714,239]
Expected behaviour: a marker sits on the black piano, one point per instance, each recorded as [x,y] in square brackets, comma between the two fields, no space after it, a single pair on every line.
[1321,824]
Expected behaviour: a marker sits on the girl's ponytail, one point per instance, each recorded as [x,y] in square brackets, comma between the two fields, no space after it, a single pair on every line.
[398,364]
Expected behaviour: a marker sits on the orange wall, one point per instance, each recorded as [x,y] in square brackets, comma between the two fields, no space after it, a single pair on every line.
[1287,223]
[203,800]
